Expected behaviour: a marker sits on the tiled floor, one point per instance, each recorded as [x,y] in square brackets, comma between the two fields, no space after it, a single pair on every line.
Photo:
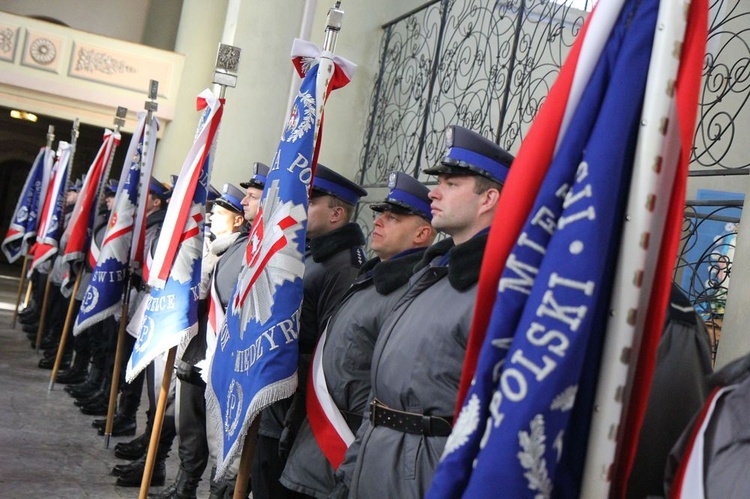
[47,447]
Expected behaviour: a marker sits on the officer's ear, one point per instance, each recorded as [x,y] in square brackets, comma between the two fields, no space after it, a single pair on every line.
[424,235]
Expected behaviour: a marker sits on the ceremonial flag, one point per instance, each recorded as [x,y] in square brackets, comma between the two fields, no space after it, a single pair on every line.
[52,216]
[174,275]
[77,235]
[103,297]
[23,225]
[548,272]
[255,363]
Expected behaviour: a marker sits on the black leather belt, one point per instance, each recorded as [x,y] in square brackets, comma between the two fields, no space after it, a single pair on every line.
[409,422]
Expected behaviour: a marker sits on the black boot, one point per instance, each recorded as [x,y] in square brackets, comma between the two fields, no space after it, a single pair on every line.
[49,362]
[134,449]
[185,486]
[224,488]
[92,382]
[121,426]
[133,476]
[98,407]
[77,373]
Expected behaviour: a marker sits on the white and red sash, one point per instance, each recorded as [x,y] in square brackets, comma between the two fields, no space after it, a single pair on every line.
[328,425]
[688,482]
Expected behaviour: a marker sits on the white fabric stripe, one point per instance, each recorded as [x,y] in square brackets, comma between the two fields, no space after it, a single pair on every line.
[192,163]
[320,387]
[692,483]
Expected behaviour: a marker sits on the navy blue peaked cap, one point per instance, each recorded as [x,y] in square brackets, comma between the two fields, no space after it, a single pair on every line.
[159,190]
[231,199]
[258,180]
[110,188]
[329,182]
[213,194]
[467,153]
[77,185]
[406,195]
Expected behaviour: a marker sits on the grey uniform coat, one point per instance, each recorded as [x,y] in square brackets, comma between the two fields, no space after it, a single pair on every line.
[332,262]
[726,449]
[350,340]
[416,367]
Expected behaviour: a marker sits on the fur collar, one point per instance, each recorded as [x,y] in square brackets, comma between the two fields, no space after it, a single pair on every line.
[327,245]
[390,275]
[219,245]
[464,260]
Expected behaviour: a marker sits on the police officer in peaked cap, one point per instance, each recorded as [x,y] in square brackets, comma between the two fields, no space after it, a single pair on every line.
[333,257]
[254,191]
[411,415]
[401,233]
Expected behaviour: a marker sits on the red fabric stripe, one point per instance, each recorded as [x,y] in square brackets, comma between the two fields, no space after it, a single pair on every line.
[174,243]
[519,192]
[117,234]
[688,87]
[329,441]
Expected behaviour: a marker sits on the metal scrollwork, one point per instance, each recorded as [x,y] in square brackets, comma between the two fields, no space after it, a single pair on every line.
[489,66]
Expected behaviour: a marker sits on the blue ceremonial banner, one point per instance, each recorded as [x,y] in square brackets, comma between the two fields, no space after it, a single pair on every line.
[52,216]
[22,230]
[256,356]
[540,357]
[175,273]
[105,290]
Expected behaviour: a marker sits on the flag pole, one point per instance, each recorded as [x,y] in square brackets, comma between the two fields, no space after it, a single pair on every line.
[119,121]
[43,313]
[161,407]
[333,26]
[50,140]
[21,283]
[151,107]
[48,284]
[64,334]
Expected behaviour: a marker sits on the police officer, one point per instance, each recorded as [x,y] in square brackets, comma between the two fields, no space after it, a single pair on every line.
[224,279]
[333,257]
[401,233]
[130,475]
[417,361]
[84,342]
[226,221]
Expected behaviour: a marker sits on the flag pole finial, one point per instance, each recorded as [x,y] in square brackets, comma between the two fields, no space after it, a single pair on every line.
[333,26]
[50,135]
[153,90]
[74,132]
[227,62]
[120,117]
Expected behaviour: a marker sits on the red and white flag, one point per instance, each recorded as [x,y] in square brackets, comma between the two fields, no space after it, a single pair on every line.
[77,235]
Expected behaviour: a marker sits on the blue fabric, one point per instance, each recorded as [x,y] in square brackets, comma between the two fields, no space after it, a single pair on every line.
[515,433]
[497,170]
[257,351]
[171,315]
[22,229]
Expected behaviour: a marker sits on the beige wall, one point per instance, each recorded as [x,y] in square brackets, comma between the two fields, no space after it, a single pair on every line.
[201,24]
[256,109]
